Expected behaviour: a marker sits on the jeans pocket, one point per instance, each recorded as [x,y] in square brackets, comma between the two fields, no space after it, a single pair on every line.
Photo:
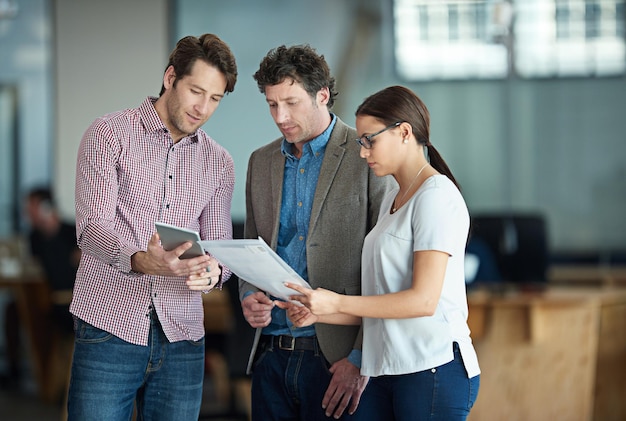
[260,356]
[325,365]
[86,333]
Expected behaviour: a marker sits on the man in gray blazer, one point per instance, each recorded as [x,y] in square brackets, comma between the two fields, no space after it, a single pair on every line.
[312,199]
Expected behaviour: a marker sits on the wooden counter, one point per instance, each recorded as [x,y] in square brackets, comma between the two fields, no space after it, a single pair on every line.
[587,274]
[557,353]
[32,298]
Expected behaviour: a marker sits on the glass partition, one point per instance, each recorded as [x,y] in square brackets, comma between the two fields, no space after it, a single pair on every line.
[9,162]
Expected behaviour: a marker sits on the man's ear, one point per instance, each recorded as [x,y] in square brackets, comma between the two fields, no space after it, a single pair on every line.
[169,77]
[323,95]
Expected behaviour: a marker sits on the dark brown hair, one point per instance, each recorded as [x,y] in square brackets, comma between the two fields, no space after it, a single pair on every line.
[208,48]
[41,194]
[300,63]
[397,103]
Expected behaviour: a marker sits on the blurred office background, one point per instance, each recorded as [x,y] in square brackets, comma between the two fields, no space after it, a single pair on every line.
[527,97]
[527,108]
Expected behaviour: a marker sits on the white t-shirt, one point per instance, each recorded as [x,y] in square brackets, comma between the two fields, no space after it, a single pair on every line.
[434,218]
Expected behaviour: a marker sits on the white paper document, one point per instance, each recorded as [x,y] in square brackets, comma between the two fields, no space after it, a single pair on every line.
[255,262]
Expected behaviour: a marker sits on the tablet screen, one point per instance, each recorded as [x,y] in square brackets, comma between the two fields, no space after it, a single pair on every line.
[173,236]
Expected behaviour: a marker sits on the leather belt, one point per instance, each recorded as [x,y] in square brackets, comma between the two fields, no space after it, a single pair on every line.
[290,343]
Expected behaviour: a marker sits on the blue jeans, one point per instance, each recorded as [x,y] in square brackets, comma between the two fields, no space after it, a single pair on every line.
[290,385]
[110,375]
[443,393]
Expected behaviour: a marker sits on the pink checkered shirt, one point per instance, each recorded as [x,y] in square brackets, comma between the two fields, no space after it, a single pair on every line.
[129,175]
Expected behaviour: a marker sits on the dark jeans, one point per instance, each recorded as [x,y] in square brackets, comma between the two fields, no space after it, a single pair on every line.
[108,374]
[290,385]
[443,393]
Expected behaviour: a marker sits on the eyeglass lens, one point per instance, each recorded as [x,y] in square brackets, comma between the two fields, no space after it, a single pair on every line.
[366,140]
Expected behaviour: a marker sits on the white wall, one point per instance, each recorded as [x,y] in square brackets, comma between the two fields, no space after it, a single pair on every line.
[109,55]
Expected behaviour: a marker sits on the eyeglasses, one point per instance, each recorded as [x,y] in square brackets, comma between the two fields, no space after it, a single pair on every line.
[366,140]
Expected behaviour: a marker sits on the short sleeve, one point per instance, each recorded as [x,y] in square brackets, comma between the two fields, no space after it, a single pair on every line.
[435,219]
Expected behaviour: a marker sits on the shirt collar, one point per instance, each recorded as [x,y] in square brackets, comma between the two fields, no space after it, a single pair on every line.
[151,120]
[316,144]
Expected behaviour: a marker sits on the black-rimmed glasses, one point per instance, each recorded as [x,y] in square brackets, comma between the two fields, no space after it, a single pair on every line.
[366,140]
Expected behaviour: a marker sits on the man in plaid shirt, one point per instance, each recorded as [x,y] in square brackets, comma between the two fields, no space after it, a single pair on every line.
[137,307]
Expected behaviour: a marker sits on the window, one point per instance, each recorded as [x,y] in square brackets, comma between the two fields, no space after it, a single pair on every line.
[492,39]
[446,40]
[569,38]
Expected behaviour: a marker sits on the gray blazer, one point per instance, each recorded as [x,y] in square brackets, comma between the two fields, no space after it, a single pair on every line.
[345,208]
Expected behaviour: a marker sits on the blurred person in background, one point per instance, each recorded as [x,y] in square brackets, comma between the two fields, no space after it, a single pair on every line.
[52,245]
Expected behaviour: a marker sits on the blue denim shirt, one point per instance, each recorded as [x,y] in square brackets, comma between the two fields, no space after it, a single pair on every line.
[299,183]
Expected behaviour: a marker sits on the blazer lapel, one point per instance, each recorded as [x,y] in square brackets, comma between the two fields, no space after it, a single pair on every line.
[276,190]
[332,159]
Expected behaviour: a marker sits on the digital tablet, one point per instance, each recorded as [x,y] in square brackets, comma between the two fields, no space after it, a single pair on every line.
[173,236]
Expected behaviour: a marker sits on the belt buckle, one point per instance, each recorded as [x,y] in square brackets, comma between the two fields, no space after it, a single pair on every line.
[290,347]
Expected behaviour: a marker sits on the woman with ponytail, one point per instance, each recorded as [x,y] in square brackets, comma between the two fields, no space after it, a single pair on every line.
[416,346]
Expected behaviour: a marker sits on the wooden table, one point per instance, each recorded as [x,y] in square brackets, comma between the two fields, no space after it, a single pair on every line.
[32,297]
[557,353]
[587,274]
